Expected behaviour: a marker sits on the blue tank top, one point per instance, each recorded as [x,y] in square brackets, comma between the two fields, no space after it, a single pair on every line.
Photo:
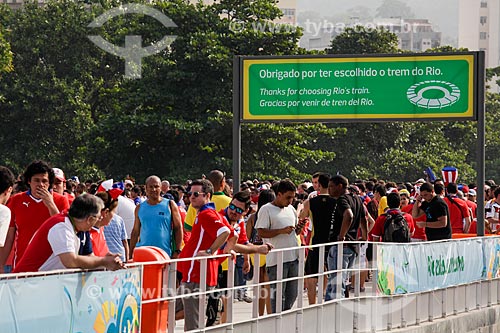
[156,225]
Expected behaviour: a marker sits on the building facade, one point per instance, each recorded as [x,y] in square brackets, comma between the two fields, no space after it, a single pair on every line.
[479,28]
[416,35]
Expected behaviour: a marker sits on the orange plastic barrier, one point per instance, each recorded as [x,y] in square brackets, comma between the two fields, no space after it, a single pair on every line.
[459,236]
[154,315]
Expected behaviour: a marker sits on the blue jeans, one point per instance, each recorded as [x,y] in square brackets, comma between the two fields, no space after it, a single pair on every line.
[239,279]
[348,260]
[289,288]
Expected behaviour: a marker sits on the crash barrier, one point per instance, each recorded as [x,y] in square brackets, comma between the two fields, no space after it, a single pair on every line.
[101,301]
[154,315]
[71,301]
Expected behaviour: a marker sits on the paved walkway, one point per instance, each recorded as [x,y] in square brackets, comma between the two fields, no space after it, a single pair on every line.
[243,311]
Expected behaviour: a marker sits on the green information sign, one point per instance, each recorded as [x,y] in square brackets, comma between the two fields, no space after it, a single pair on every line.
[371,88]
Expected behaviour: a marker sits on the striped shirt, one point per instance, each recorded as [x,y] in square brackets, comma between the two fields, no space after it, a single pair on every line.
[115,234]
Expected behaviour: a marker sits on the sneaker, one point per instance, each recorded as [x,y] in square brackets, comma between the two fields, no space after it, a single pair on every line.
[245,298]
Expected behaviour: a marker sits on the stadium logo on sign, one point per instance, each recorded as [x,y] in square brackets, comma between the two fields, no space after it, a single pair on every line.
[433,94]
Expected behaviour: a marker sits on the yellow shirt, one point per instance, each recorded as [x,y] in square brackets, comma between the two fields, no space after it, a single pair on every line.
[382,206]
[220,200]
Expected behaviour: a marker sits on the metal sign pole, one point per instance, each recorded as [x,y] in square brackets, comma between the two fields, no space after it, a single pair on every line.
[236,125]
[480,142]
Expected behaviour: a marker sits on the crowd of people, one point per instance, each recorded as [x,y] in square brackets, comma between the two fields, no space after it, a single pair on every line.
[48,222]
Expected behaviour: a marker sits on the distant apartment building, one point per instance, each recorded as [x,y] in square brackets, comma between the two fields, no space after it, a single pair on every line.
[289,9]
[414,35]
[479,28]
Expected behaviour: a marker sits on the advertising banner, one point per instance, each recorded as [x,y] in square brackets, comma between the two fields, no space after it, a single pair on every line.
[491,250]
[377,87]
[84,302]
[413,267]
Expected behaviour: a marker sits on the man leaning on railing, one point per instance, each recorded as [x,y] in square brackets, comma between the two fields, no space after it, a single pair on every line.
[210,231]
[55,245]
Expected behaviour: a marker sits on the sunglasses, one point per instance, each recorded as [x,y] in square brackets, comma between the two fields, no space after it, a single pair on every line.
[196,194]
[237,209]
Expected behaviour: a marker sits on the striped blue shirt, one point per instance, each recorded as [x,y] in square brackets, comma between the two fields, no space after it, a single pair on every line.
[115,233]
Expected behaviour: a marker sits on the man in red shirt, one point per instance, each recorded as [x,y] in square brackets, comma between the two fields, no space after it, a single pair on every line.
[210,231]
[471,204]
[30,209]
[459,211]
[393,201]
[55,245]
[60,185]
[406,207]
[233,214]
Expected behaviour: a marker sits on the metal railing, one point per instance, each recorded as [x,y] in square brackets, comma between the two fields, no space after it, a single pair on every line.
[362,312]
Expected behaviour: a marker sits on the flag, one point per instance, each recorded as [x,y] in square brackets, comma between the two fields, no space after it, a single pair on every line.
[430,175]
[450,175]
[105,185]
[114,189]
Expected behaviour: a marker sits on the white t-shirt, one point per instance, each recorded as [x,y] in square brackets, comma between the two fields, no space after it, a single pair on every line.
[4,223]
[492,211]
[62,239]
[273,217]
[125,210]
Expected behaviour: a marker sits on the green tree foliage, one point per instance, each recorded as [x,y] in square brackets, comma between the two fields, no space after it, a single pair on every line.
[67,100]
[363,40]
[5,52]
[400,151]
[5,55]
[492,144]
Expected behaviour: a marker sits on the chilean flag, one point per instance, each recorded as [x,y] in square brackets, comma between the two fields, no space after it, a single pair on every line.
[450,175]
[114,189]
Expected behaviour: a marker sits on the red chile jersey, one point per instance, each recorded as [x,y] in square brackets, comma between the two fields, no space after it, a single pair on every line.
[209,224]
[28,214]
[239,228]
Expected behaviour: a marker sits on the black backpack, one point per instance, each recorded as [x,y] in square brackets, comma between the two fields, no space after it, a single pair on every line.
[396,228]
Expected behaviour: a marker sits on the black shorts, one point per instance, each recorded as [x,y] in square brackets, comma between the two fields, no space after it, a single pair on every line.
[312,262]
[222,281]
[369,252]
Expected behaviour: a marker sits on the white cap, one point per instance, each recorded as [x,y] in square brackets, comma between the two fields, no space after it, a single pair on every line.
[59,174]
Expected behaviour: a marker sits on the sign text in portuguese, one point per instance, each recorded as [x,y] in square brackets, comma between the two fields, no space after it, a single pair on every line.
[378,87]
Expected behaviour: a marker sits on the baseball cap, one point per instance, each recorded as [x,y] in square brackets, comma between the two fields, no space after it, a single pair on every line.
[264,187]
[75,179]
[472,192]
[392,190]
[404,192]
[128,181]
[59,174]
[420,180]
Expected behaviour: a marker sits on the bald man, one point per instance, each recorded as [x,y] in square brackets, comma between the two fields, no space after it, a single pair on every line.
[157,220]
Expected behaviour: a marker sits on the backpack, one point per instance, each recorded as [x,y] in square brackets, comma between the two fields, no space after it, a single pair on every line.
[396,228]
